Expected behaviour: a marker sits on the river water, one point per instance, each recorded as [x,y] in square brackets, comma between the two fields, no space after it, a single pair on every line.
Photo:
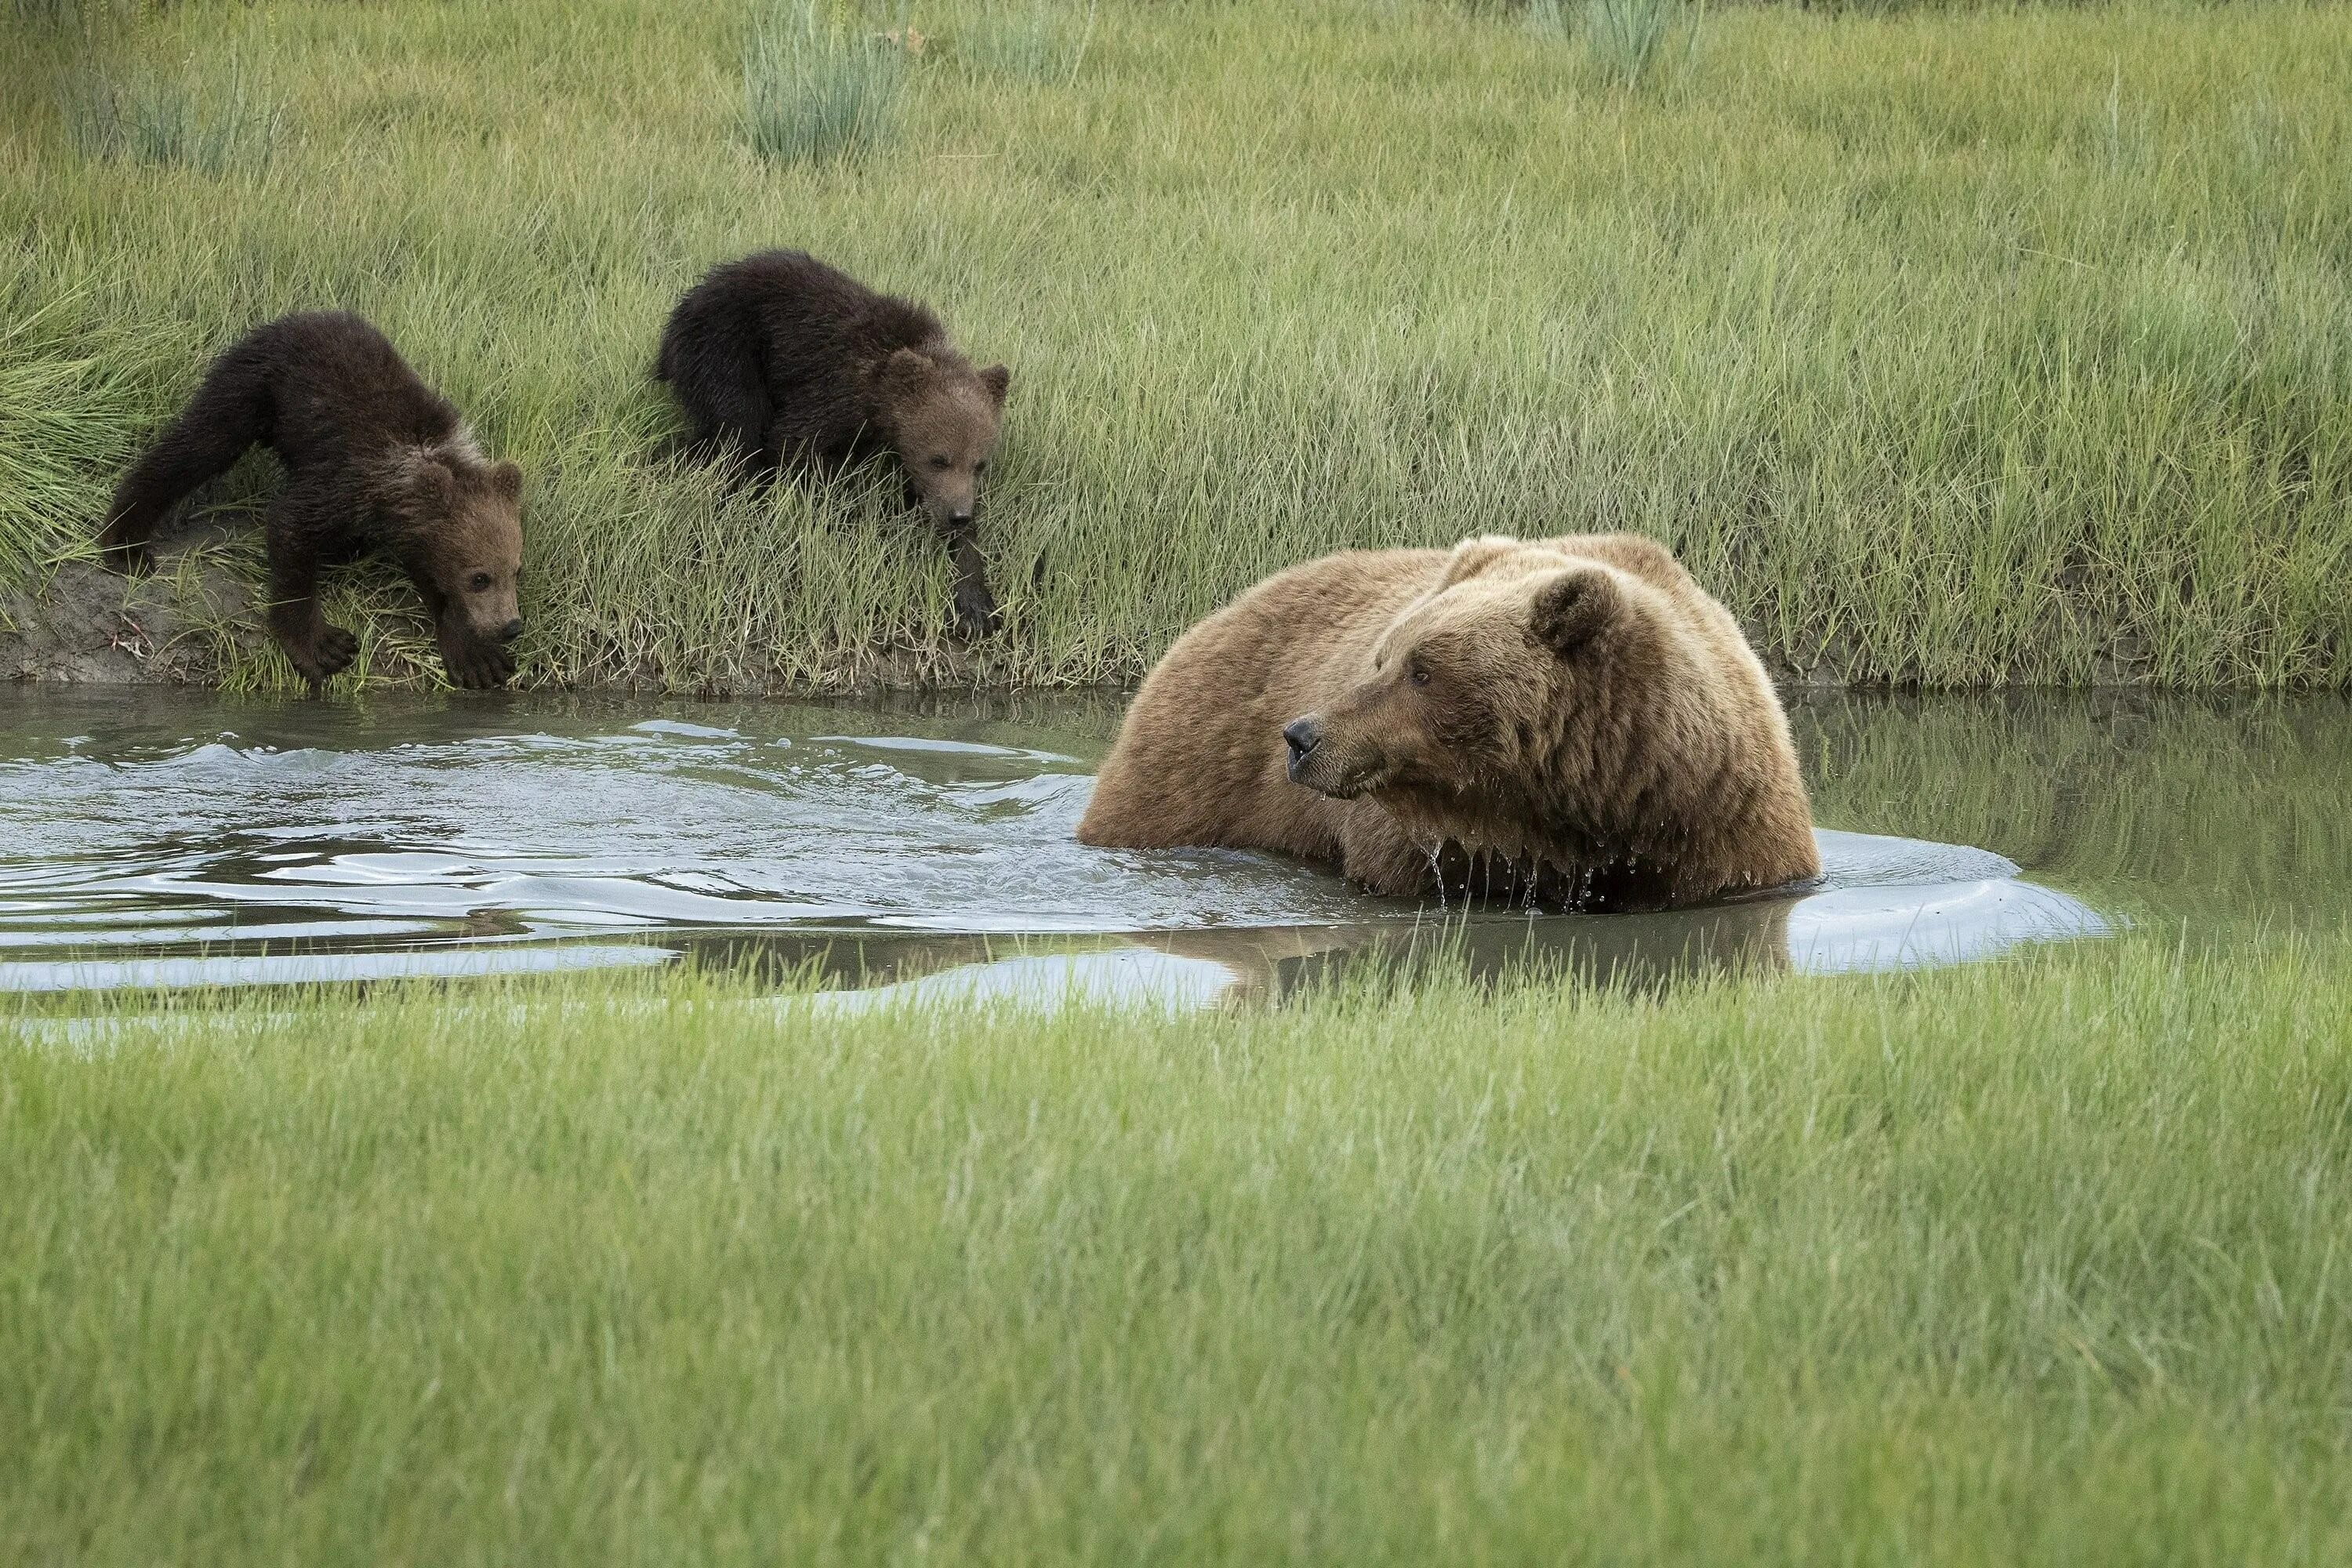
[166,839]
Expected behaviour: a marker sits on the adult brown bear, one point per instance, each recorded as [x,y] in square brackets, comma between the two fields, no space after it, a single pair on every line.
[779,359]
[1573,721]
[375,461]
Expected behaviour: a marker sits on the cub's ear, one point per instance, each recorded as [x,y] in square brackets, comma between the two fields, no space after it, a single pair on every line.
[432,487]
[505,479]
[903,373]
[1473,556]
[1574,607]
[996,378]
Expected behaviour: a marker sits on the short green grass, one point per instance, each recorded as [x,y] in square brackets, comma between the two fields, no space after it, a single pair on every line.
[2002,345]
[2045,1261]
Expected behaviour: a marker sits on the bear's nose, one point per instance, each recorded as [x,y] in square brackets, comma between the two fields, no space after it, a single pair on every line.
[960,518]
[1302,735]
[511,630]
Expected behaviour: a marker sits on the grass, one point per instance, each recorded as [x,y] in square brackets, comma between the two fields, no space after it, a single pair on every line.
[814,93]
[227,123]
[1993,347]
[1034,41]
[2042,1261]
[1626,38]
[55,446]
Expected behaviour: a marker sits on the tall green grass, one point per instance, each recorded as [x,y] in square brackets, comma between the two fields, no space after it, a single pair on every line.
[2035,1262]
[2008,346]
[62,431]
[1026,40]
[1627,38]
[209,127]
[814,91]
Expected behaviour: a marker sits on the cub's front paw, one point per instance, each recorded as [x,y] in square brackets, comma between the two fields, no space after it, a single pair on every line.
[478,666]
[327,655]
[976,612]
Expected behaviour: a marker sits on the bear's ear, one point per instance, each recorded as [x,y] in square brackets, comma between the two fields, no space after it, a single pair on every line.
[432,487]
[996,378]
[1473,556]
[505,479]
[1573,607]
[903,374]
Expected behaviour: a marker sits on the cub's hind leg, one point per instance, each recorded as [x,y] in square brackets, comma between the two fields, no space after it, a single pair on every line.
[229,412]
[713,363]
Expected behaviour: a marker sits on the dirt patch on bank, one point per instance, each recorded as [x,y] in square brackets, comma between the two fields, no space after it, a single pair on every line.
[170,626]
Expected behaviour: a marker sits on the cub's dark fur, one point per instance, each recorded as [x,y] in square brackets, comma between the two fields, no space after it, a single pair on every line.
[779,359]
[375,461]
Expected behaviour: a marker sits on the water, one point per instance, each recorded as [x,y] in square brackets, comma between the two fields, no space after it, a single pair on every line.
[164,839]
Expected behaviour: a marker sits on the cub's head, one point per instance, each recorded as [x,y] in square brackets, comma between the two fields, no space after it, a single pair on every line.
[941,418]
[466,539]
[1521,673]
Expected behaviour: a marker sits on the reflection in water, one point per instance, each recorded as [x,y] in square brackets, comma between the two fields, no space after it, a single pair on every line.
[163,840]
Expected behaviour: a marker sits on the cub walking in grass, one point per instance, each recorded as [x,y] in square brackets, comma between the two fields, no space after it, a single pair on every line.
[779,359]
[375,461]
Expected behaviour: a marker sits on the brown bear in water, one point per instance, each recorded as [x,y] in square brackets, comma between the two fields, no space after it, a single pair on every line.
[778,358]
[375,460]
[1570,720]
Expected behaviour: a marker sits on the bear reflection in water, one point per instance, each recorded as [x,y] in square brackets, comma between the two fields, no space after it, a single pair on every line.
[1855,925]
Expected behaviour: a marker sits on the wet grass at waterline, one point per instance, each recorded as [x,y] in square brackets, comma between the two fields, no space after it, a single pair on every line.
[1999,347]
[2037,1260]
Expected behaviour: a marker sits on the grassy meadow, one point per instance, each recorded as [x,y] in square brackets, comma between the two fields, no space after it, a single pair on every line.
[2036,1262]
[1951,348]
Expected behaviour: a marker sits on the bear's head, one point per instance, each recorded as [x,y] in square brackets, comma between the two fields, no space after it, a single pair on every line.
[941,418]
[1534,691]
[466,533]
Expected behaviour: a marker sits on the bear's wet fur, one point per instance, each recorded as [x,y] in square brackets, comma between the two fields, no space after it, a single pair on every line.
[375,460]
[1571,721]
[781,360]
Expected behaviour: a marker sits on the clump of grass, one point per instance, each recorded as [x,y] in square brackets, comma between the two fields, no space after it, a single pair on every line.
[814,92]
[1038,41]
[1625,40]
[62,426]
[209,126]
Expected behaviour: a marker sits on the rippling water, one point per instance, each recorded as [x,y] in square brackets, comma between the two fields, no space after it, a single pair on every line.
[165,838]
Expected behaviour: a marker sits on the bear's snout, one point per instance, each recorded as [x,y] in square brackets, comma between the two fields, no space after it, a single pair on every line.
[511,631]
[1302,736]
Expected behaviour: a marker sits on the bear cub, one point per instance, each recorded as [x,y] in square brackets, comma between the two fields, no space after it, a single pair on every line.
[780,361]
[376,461]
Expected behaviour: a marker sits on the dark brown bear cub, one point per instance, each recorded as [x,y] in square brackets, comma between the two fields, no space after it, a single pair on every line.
[781,360]
[375,461]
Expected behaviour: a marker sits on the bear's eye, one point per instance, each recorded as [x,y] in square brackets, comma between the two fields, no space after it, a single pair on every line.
[479,581]
[1417,673]
[939,463]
